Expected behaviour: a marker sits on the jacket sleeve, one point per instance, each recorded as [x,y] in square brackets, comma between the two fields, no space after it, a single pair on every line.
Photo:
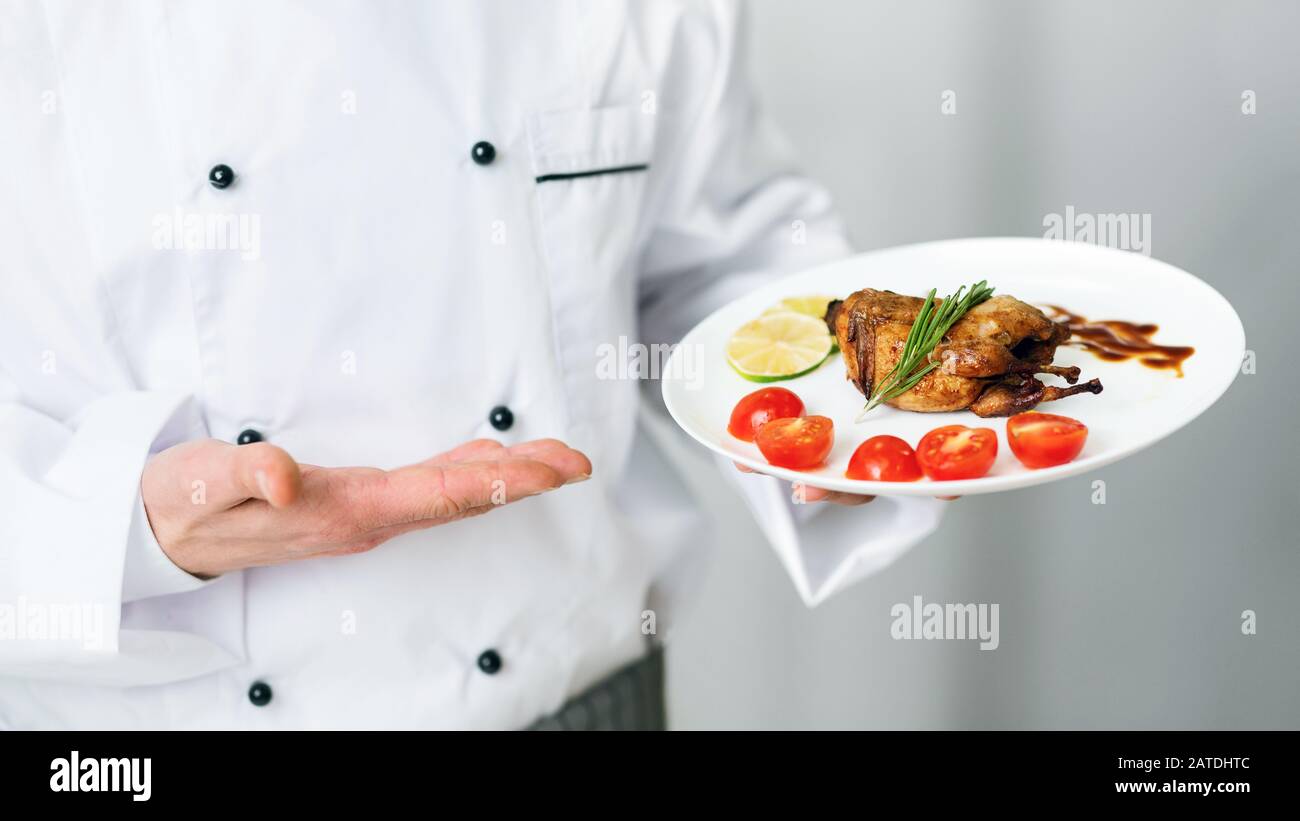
[86,594]
[80,563]
[737,213]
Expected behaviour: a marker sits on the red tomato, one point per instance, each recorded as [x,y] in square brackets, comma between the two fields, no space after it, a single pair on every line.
[762,406]
[884,459]
[1041,440]
[799,443]
[957,452]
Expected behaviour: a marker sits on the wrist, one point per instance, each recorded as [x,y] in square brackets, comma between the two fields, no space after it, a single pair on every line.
[148,569]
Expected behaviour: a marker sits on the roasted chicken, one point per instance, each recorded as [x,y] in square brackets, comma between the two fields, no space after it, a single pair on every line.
[987,361]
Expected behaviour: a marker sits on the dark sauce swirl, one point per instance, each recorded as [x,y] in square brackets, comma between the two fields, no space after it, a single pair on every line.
[1116,340]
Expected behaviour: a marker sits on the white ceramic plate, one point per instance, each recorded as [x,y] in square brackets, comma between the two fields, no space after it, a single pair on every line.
[1138,406]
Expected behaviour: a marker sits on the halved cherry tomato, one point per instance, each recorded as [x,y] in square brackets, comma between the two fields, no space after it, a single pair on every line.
[800,443]
[1041,440]
[763,406]
[957,452]
[884,459]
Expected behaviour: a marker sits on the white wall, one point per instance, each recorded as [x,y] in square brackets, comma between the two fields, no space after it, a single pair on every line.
[1125,615]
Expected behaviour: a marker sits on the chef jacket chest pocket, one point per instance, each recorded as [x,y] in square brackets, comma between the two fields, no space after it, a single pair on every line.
[591,169]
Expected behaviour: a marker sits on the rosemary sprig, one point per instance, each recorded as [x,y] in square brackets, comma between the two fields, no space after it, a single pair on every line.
[928,330]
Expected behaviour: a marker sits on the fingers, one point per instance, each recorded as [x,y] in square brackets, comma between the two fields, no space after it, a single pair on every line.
[817,494]
[475,449]
[375,538]
[848,499]
[443,491]
[263,471]
[440,492]
[542,449]
[573,464]
[835,497]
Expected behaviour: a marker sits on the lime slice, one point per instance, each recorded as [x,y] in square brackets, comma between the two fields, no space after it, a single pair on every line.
[814,306]
[778,346]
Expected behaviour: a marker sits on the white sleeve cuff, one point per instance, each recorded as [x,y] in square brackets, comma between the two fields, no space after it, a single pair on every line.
[148,572]
[825,548]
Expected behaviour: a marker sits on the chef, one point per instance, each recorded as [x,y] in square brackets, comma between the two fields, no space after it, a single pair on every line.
[301,424]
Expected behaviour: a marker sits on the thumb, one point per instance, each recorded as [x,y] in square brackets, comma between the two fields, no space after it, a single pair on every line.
[263,471]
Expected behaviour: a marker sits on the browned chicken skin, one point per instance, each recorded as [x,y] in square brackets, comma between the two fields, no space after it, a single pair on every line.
[987,360]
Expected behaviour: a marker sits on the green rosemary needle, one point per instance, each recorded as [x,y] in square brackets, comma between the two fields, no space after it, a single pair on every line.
[928,330]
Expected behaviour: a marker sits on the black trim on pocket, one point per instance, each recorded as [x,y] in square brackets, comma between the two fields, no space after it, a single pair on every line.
[621,169]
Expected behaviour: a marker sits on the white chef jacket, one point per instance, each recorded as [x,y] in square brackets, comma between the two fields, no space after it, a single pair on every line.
[372,289]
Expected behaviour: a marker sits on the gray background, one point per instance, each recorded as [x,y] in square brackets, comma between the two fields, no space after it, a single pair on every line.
[1123,615]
